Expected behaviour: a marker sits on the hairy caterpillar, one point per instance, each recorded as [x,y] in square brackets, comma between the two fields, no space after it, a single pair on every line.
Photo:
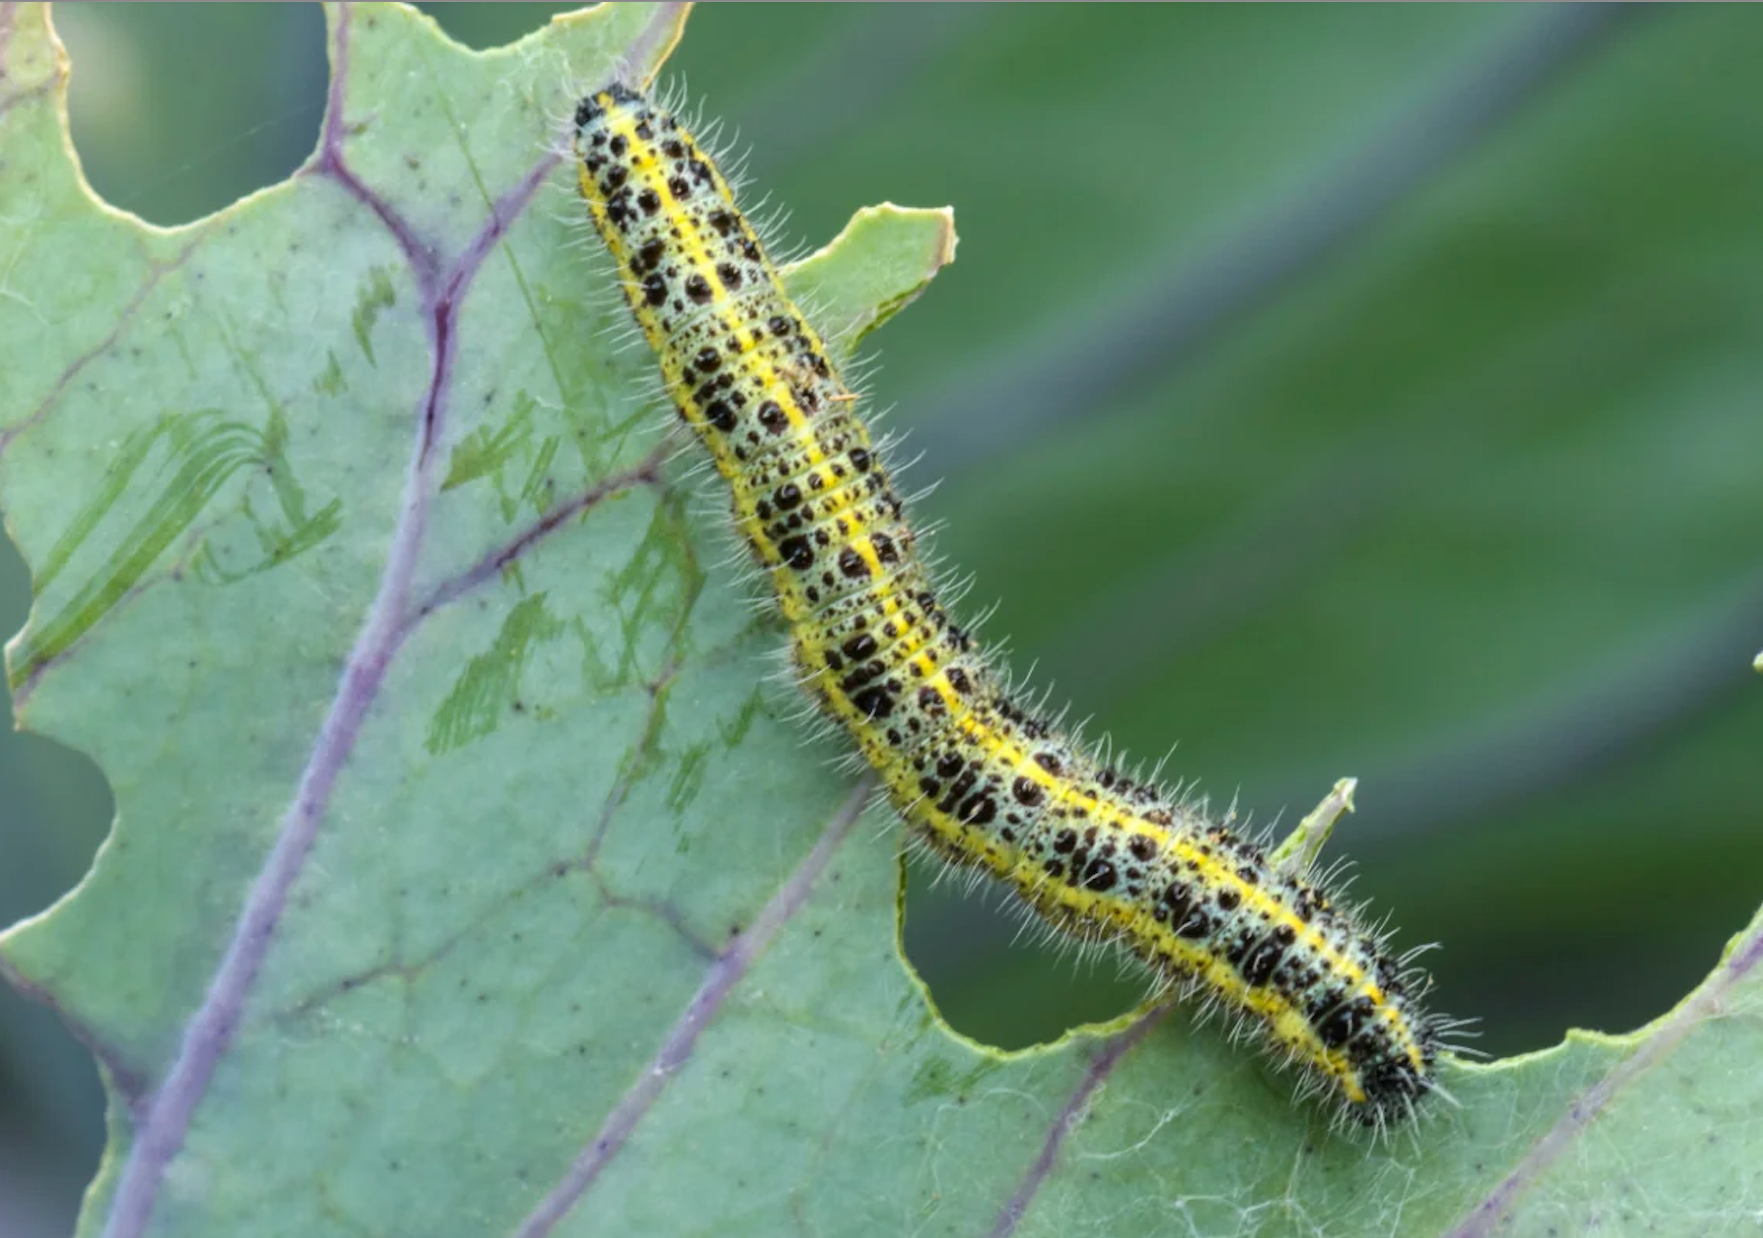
[977,775]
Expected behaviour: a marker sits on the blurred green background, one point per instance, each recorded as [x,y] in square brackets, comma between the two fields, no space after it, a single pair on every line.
[1335,390]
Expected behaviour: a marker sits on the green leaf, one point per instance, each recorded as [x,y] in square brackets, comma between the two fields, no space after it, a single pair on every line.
[466,874]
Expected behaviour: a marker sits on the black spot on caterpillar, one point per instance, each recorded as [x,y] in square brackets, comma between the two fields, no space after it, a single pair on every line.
[982,780]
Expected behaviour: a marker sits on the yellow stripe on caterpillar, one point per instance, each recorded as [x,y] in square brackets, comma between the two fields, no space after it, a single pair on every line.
[981,779]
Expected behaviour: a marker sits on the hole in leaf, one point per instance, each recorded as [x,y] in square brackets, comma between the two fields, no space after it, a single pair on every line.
[179,110]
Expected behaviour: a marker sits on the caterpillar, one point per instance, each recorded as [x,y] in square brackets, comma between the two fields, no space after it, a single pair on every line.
[982,779]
